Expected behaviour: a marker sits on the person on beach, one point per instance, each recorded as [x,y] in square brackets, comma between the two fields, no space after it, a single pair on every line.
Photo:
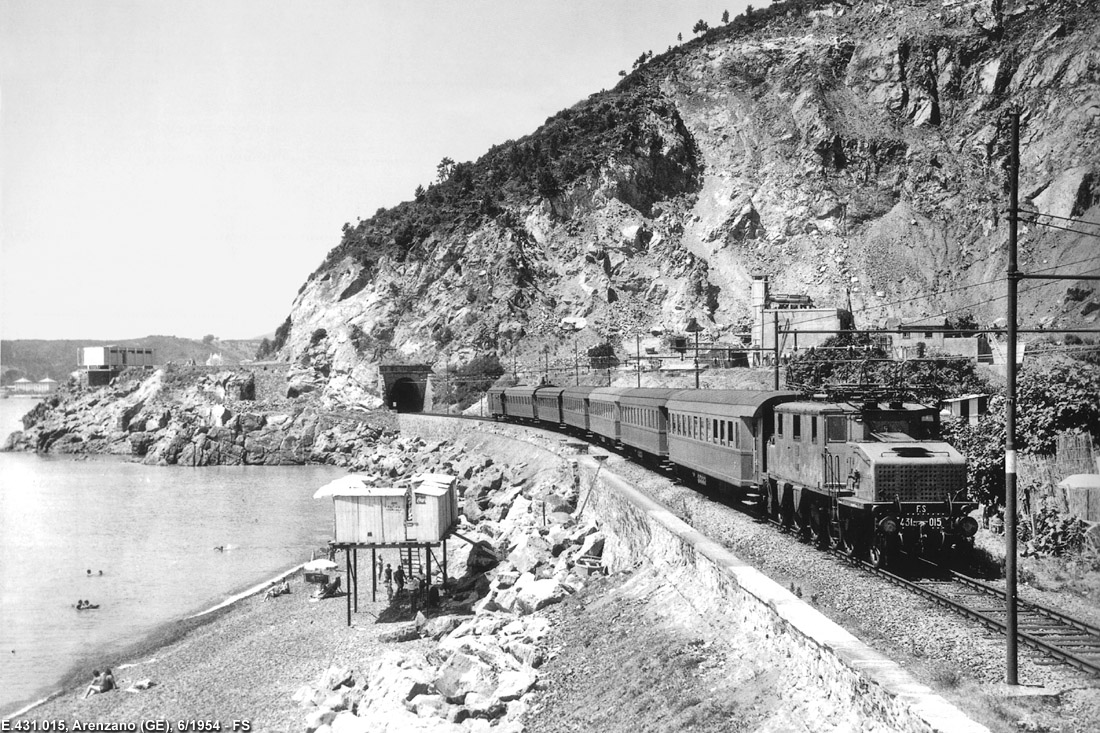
[279,589]
[100,683]
[399,578]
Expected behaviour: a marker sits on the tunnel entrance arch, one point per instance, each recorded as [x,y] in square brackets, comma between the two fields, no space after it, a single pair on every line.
[405,396]
[406,387]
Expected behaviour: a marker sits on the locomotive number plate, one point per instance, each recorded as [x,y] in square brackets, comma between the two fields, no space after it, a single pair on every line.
[925,521]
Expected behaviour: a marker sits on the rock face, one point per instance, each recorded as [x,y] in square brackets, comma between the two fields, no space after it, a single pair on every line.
[848,152]
[171,417]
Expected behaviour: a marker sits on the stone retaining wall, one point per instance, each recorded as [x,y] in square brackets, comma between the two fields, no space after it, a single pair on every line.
[724,588]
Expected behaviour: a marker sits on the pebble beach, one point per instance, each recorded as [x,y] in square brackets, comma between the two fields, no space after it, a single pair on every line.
[241,664]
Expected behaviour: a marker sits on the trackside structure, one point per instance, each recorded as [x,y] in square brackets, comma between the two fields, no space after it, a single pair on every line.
[412,516]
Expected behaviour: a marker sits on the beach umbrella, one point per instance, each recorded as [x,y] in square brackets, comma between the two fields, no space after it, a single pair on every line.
[322,564]
[340,485]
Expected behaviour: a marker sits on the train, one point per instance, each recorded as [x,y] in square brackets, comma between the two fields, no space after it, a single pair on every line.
[869,478]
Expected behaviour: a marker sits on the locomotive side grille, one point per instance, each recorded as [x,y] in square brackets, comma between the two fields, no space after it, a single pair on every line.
[927,483]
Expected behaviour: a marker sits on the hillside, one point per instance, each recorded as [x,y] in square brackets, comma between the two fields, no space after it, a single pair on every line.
[35,359]
[856,153]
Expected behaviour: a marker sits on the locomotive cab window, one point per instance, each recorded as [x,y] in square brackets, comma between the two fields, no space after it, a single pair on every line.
[796,427]
[836,429]
[779,424]
[813,429]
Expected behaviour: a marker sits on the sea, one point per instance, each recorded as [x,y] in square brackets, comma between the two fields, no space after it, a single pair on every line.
[139,542]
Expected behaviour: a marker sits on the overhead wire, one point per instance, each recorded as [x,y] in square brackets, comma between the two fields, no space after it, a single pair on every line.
[1029,212]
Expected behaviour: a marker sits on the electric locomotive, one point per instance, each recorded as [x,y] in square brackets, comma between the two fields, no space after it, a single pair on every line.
[870,478]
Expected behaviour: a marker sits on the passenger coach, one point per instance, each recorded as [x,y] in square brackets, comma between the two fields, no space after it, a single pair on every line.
[722,433]
[643,420]
[574,407]
[603,412]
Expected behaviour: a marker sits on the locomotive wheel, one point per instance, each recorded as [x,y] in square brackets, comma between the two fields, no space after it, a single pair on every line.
[848,538]
[819,526]
[878,552]
[786,509]
[802,524]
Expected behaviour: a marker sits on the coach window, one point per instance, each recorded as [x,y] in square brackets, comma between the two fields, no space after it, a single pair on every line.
[714,433]
[796,427]
[836,429]
[722,432]
[737,434]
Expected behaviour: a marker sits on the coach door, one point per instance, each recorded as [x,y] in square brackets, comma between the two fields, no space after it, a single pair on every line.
[761,427]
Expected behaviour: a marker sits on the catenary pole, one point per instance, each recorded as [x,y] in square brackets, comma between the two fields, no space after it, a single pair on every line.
[1010,408]
[775,333]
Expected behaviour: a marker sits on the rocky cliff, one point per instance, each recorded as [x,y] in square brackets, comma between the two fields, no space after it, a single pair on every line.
[200,417]
[854,152]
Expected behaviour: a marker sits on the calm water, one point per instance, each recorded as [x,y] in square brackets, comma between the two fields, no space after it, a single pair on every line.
[151,530]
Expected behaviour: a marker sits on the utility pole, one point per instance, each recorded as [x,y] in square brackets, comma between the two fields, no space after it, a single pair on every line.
[775,334]
[1010,407]
[576,360]
[694,327]
[696,360]
[1012,331]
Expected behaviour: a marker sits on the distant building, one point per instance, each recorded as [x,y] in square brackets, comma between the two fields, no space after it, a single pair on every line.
[101,364]
[968,407]
[25,386]
[793,313]
[935,338]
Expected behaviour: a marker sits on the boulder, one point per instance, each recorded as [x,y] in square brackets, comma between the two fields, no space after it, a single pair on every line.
[529,552]
[462,674]
[316,718]
[482,557]
[439,627]
[484,706]
[335,677]
[428,706]
[347,722]
[513,684]
[538,594]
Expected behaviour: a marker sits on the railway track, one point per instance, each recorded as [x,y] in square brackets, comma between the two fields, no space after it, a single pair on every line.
[1059,636]
[1056,634]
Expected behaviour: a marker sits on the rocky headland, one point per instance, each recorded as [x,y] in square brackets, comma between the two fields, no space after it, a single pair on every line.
[199,416]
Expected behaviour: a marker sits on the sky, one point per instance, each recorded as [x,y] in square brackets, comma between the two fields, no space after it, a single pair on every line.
[180,168]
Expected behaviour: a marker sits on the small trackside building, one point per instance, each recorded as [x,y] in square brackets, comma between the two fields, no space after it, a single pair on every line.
[372,515]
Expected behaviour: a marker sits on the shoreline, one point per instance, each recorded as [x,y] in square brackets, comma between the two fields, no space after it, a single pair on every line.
[149,648]
[241,662]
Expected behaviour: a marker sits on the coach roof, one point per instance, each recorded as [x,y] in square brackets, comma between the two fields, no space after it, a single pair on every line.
[743,402]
